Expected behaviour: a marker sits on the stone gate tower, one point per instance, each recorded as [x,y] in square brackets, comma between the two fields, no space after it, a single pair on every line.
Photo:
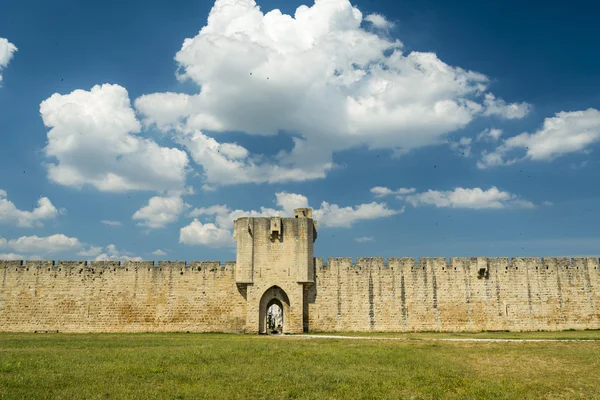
[275,265]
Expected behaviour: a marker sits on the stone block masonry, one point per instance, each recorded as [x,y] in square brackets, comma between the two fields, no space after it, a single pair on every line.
[275,266]
[107,296]
[466,294]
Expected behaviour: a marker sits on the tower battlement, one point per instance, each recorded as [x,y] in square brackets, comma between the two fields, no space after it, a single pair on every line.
[275,248]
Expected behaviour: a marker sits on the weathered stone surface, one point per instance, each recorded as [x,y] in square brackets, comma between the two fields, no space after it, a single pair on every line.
[467,294]
[275,263]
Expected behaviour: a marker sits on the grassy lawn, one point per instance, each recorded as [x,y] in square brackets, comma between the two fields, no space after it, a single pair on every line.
[192,366]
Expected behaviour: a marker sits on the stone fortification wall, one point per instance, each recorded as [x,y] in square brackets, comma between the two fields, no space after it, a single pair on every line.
[107,296]
[467,294]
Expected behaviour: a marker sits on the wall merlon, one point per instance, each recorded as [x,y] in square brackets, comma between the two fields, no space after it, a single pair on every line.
[11,263]
[379,260]
[516,263]
[461,262]
[370,263]
[589,262]
[401,260]
[71,263]
[339,260]
[228,265]
[40,264]
[319,263]
[553,263]
[433,262]
[172,264]
[342,263]
[206,265]
[105,264]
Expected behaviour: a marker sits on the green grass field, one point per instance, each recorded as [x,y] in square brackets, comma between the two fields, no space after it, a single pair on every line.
[192,366]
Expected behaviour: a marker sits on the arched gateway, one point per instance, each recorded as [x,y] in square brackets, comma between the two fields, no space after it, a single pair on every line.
[275,264]
[274,296]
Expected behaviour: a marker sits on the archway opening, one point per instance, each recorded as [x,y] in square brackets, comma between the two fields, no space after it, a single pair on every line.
[274,311]
[274,317]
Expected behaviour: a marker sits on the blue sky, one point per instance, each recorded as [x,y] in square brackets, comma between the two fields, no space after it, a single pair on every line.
[413,128]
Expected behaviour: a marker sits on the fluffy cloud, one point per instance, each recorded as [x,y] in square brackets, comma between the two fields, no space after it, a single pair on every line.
[219,232]
[230,163]
[319,76]
[498,107]
[462,147]
[57,243]
[475,198]
[7,49]
[108,253]
[111,253]
[207,234]
[379,21]
[12,256]
[344,217]
[92,251]
[159,252]
[382,191]
[489,134]
[26,219]
[93,137]
[566,132]
[160,211]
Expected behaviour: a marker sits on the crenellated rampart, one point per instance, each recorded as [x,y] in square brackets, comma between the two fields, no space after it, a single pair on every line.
[371,294]
[110,296]
[464,294]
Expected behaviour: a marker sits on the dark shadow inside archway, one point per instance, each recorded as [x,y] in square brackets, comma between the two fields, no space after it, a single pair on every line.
[274,310]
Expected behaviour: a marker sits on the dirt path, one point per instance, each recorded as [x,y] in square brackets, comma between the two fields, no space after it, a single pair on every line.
[434,339]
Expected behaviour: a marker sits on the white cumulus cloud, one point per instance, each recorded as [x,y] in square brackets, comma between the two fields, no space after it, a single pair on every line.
[111,253]
[489,134]
[94,140]
[499,107]
[318,75]
[159,252]
[462,147]
[12,256]
[379,21]
[57,243]
[230,163]
[473,198]
[9,213]
[566,132]
[400,193]
[207,234]
[7,50]
[92,251]
[160,212]
[332,215]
